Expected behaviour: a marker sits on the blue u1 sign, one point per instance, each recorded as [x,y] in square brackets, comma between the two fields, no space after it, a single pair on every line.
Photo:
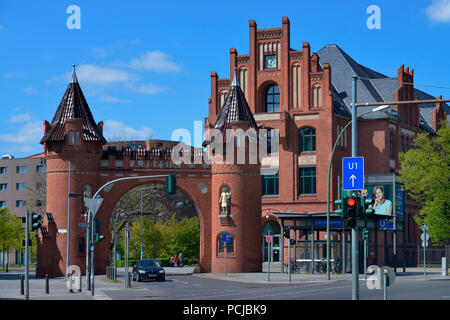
[225,237]
[353,173]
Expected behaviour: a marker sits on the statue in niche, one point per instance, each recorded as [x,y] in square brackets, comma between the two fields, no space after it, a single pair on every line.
[225,201]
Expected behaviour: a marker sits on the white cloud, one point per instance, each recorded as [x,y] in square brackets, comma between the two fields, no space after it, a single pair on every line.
[439,11]
[13,75]
[88,73]
[107,98]
[29,134]
[30,90]
[118,130]
[149,89]
[154,61]
[22,117]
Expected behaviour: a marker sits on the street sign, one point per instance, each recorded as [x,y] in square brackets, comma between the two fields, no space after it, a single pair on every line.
[424,228]
[225,237]
[93,204]
[385,224]
[424,235]
[83,225]
[322,222]
[268,239]
[353,173]
[425,244]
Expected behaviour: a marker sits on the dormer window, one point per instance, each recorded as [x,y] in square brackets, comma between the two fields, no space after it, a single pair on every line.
[74,138]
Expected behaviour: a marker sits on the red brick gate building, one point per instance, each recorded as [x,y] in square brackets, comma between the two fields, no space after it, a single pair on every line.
[301,97]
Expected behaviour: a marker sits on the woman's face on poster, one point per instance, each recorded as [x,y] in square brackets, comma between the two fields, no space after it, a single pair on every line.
[379,194]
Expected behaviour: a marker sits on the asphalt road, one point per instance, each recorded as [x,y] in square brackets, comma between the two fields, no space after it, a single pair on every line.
[197,287]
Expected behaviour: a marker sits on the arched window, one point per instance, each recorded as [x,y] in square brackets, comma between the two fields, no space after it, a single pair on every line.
[77,138]
[221,245]
[71,138]
[272,99]
[317,96]
[307,139]
[223,96]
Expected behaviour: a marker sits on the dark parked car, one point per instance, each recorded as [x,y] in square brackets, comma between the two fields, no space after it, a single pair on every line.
[148,269]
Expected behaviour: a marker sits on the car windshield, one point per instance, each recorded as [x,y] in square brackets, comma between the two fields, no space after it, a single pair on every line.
[148,263]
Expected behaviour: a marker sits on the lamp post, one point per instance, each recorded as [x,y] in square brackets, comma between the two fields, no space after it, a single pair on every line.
[328,185]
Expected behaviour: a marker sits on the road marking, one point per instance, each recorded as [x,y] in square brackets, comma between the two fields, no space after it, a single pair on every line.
[221,293]
[291,292]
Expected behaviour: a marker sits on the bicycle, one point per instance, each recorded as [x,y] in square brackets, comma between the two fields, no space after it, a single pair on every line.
[337,267]
[319,267]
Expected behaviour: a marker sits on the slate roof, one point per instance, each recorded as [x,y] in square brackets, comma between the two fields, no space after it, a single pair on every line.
[378,88]
[235,110]
[73,106]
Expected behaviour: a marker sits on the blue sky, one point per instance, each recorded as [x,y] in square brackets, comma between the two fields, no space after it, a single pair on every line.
[144,66]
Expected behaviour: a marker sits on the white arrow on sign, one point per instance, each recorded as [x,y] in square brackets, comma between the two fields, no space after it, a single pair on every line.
[93,204]
[353,178]
[425,228]
[423,236]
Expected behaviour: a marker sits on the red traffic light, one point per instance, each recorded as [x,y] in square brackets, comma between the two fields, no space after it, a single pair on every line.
[351,202]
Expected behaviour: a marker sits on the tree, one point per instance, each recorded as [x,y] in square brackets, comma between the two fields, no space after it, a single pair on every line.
[425,170]
[11,231]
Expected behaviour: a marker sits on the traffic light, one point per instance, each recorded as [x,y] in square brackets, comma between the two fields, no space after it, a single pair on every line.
[365,203]
[171,184]
[351,208]
[342,206]
[97,236]
[36,221]
[287,233]
[366,234]
[96,226]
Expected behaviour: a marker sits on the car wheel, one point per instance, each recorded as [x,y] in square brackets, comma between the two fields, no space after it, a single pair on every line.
[133,276]
[138,278]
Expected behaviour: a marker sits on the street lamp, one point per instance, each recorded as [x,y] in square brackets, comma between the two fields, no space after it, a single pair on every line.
[328,185]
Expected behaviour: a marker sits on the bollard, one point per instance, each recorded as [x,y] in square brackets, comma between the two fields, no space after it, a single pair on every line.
[81,283]
[385,283]
[22,279]
[47,290]
[444,267]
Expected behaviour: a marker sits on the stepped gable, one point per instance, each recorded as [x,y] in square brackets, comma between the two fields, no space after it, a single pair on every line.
[73,106]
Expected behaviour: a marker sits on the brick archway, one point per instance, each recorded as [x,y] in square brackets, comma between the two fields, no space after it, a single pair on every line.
[193,180]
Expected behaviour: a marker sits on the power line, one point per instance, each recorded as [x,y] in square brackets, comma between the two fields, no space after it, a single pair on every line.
[412,83]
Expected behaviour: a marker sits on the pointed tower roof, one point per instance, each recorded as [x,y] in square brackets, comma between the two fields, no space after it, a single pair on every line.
[235,109]
[73,106]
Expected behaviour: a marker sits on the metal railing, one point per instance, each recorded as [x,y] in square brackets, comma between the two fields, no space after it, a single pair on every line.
[111,273]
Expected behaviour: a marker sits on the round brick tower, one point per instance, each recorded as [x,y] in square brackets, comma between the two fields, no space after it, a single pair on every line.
[71,141]
[236,187]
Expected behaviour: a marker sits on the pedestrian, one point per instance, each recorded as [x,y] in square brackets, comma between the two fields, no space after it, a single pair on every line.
[181,259]
[175,261]
[171,261]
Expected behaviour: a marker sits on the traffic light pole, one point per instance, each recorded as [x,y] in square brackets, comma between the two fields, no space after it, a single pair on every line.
[27,250]
[355,253]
